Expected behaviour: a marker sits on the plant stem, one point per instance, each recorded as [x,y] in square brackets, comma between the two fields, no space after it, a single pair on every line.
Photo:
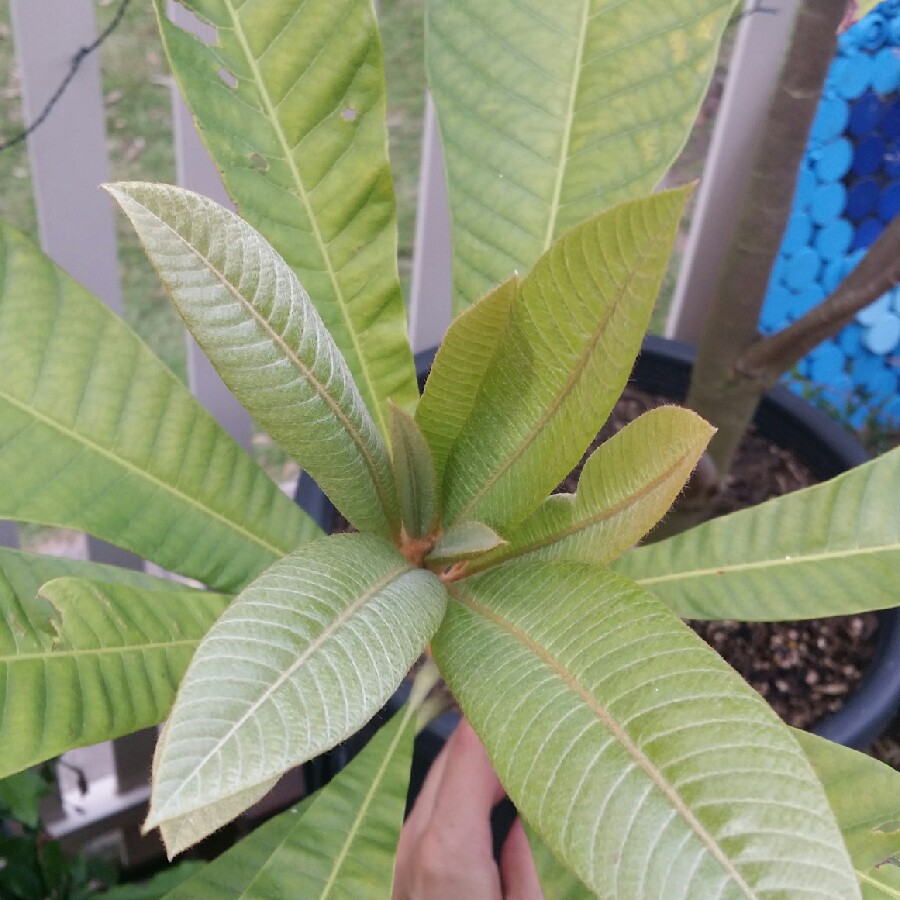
[877,272]
[719,391]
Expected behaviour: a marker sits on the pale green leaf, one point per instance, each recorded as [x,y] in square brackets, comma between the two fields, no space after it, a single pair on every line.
[882,883]
[627,484]
[111,665]
[575,329]
[550,113]
[300,660]
[96,434]
[301,142]
[232,871]
[466,540]
[646,764]
[255,322]
[829,550]
[340,844]
[556,880]
[865,797]
[414,475]
[468,348]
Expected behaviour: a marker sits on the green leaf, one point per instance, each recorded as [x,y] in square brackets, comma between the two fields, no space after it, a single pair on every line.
[627,484]
[548,115]
[865,797]
[828,550]
[341,843]
[255,322]
[414,475]
[159,885]
[301,660]
[468,348]
[467,540]
[21,795]
[575,329]
[646,764]
[96,434]
[111,666]
[301,142]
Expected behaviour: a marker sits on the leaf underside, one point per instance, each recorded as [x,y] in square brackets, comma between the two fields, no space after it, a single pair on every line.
[550,115]
[301,659]
[256,324]
[89,661]
[575,329]
[828,550]
[301,142]
[646,764]
[96,434]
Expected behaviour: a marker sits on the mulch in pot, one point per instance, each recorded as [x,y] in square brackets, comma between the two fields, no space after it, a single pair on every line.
[805,670]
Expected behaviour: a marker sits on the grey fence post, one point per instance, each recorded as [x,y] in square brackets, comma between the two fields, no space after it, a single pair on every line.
[68,159]
[431,295]
[760,47]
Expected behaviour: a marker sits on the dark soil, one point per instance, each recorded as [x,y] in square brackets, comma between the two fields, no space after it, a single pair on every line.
[804,669]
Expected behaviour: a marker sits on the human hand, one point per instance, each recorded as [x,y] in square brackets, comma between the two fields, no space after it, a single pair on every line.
[445,850]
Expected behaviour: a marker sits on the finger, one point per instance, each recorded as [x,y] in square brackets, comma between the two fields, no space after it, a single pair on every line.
[469,788]
[517,869]
[424,806]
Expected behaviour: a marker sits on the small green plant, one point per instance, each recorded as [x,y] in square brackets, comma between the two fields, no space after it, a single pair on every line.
[643,765]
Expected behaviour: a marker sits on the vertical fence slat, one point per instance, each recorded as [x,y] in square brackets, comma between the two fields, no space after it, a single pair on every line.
[431,295]
[196,171]
[752,75]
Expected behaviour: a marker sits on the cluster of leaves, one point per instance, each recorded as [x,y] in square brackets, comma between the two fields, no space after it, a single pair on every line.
[638,758]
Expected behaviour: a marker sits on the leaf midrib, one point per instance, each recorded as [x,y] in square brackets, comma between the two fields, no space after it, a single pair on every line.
[608,721]
[408,712]
[731,568]
[583,524]
[305,371]
[553,211]
[550,412]
[144,475]
[51,655]
[301,658]
[303,196]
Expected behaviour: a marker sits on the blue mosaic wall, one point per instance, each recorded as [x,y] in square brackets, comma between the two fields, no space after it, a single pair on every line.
[848,189]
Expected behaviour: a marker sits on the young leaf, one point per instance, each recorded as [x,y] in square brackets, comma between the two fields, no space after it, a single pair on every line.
[625,488]
[467,540]
[97,434]
[414,475]
[255,322]
[464,356]
[299,661]
[575,329]
[290,100]
[829,550]
[547,117]
[865,797]
[646,764]
[114,661]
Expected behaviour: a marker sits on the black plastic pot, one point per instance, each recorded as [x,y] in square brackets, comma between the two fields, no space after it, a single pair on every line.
[664,367]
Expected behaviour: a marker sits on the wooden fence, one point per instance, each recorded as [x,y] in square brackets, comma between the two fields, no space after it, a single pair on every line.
[68,159]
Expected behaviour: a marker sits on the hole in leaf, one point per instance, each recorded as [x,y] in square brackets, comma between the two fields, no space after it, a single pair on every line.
[258,161]
[186,20]
[348,114]
[228,77]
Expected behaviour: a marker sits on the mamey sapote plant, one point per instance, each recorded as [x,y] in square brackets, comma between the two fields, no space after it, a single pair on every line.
[643,765]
